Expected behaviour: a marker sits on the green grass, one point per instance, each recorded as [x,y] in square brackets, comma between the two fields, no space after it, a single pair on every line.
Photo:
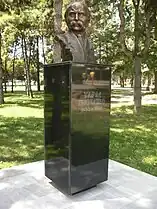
[133,139]
[21,135]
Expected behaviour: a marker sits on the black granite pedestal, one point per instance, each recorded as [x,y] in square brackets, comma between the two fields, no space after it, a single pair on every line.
[76,113]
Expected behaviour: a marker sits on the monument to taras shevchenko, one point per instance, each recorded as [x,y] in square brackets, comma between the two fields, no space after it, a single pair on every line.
[75,45]
[76,110]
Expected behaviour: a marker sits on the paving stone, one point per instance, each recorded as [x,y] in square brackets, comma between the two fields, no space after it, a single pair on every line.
[26,187]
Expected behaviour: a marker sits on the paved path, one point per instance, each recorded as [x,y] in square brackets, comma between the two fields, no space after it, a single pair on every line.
[120,96]
[124,96]
[26,187]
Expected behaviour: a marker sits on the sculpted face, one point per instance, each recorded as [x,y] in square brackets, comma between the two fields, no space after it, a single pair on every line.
[77,17]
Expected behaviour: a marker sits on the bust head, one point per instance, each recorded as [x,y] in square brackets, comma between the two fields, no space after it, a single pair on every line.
[77,17]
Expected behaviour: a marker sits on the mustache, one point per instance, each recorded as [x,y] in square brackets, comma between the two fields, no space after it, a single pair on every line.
[77,23]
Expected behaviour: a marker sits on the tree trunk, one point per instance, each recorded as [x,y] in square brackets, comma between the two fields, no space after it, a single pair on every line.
[27,68]
[5,74]
[148,82]
[137,84]
[100,58]
[27,60]
[121,81]
[13,72]
[137,62]
[155,81]
[132,81]
[38,66]
[1,73]
[43,50]
[57,28]
[25,73]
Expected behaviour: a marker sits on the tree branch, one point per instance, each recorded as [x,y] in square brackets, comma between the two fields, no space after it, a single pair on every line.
[136,3]
[58,16]
[148,29]
[122,28]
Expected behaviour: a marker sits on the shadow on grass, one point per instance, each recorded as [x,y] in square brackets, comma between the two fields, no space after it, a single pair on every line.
[128,92]
[21,140]
[148,93]
[121,92]
[147,116]
[134,139]
[21,99]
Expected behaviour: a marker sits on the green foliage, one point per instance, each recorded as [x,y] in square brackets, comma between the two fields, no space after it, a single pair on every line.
[35,18]
[104,31]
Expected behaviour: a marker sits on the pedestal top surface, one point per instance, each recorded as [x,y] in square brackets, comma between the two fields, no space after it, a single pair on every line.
[26,187]
[78,64]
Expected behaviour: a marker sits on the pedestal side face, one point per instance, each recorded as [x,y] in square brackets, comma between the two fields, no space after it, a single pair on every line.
[57,125]
[91,89]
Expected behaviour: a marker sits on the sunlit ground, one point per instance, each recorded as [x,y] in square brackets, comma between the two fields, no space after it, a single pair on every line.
[133,139]
[21,135]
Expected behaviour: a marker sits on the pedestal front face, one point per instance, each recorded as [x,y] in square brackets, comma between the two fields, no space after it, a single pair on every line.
[57,125]
[77,109]
[90,106]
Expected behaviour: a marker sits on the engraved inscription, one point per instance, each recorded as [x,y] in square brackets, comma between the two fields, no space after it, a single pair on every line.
[91,101]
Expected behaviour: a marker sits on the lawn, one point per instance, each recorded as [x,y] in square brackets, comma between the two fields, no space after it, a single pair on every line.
[133,139]
[21,135]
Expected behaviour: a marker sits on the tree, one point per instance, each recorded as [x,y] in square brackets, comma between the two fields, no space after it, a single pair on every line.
[4,18]
[151,62]
[141,19]
[7,10]
[58,4]
[103,31]
[1,72]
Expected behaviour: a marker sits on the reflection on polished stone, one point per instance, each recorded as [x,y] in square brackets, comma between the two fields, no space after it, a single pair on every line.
[77,110]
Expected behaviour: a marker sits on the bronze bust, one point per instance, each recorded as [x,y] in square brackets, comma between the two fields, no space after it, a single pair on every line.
[75,45]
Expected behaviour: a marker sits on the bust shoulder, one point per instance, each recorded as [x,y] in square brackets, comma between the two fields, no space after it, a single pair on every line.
[64,37]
